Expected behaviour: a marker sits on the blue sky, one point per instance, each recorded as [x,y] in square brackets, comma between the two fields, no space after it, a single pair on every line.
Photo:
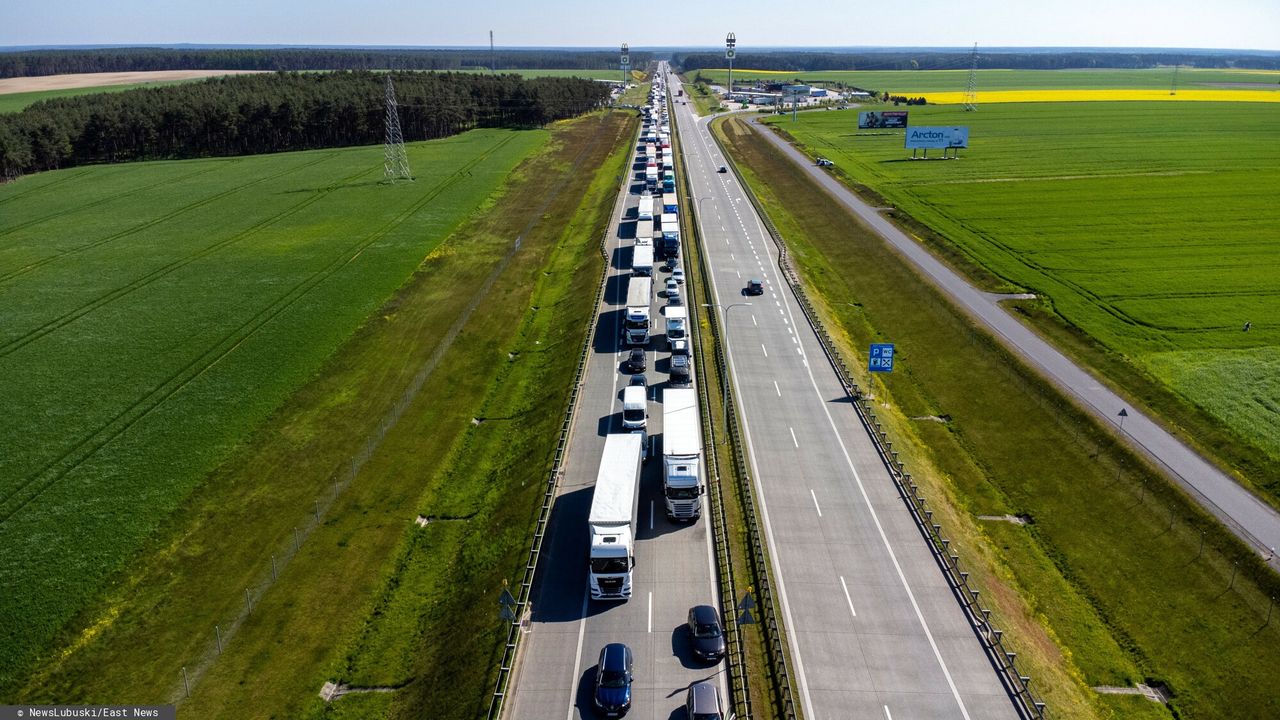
[1117,23]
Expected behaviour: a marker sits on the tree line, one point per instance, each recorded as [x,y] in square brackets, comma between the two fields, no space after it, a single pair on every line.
[59,62]
[249,114]
[815,61]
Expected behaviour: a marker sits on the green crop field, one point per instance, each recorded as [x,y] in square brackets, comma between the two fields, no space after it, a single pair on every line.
[157,313]
[918,81]
[1149,226]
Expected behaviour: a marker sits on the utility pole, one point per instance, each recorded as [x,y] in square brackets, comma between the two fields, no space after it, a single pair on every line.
[1174,90]
[493,56]
[730,45]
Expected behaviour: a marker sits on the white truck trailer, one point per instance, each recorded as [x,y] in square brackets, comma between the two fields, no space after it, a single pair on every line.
[644,231]
[612,521]
[635,323]
[681,454]
[642,258]
[645,211]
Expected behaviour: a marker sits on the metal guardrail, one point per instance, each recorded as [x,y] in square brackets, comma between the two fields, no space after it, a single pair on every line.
[1016,684]
[777,656]
[514,631]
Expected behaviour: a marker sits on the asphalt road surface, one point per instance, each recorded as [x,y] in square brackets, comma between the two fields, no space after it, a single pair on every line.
[1252,520]
[875,629]
[674,567]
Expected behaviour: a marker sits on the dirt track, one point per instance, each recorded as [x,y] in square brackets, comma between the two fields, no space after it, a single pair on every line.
[64,82]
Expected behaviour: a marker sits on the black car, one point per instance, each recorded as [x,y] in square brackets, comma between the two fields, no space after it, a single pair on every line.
[681,373]
[708,636]
[639,381]
[613,680]
[636,361]
[755,287]
[723,169]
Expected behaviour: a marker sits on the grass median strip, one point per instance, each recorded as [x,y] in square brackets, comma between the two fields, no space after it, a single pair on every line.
[1107,584]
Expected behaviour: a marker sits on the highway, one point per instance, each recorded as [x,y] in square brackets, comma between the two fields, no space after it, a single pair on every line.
[674,571]
[875,629]
[1255,522]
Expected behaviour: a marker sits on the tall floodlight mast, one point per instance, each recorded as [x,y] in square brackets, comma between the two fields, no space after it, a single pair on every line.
[971,90]
[395,164]
[730,43]
[626,63]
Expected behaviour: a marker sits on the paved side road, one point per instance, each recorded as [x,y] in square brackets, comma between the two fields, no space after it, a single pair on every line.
[1244,514]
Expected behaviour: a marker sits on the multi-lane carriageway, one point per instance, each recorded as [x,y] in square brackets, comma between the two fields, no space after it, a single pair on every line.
[874,627]
[674,565]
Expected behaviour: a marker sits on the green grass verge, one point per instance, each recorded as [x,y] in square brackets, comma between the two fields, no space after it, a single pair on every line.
[1118,595]
[160,312]
[703,99]
[1156,250]
[905,82]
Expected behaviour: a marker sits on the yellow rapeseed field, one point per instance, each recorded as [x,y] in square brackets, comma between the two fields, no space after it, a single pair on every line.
[1111,95]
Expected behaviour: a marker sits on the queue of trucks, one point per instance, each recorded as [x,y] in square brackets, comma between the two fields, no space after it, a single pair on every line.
[615,503]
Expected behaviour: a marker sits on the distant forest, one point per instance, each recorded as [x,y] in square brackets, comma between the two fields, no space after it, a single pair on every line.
[249,114]
[812,61]
[59,62]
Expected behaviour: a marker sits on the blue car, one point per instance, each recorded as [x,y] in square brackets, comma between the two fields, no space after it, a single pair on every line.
[613,680]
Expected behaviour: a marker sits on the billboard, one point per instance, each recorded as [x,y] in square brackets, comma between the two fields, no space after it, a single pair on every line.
[937,137]
[883,119]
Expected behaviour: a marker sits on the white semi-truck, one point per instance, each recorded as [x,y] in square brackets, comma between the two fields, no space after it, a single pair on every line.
[681,454]
[635,324]
[644,231]
[612,521]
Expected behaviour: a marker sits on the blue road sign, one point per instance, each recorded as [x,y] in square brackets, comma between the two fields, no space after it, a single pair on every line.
[881,357]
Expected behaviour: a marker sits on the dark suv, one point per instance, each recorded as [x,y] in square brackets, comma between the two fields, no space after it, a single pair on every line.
[681,375]
[636,361]
[613,680]
[755,287]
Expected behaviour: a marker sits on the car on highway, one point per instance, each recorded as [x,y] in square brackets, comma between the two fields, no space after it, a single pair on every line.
[754,287]
[673,288]
[636,361]
[823,162]
[723,169]
[677,274]
[639,381]
[613,680]
[681,370]
[707,633]
[703,702]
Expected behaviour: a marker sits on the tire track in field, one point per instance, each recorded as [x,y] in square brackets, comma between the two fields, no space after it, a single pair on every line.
[35,334]
[155,221]
[52,472]
[107,199]
[231,629]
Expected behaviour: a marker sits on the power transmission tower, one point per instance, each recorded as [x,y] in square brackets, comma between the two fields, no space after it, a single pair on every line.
[971,90]
[395,164]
